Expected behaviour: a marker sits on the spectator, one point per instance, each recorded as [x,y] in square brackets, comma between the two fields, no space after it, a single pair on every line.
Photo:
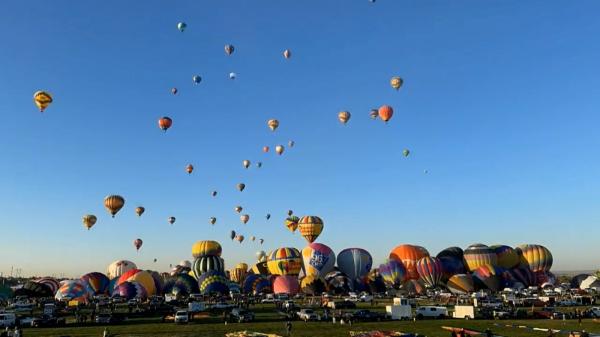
[288,328]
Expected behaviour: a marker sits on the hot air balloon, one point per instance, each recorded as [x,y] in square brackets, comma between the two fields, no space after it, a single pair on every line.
[33,289]
[452,261]
[229,49]
[139,210]
[189,168]
[354,262]
[196,79]
[96,283]
[414,287]
[537,257]
[290,212]
[207,263]
[261,256]
[273,124]
[310,227]
[232,235]
[232,76]
[396,82]
[113,204]
[256,284]
[374,114]
[50,282]
[246,163]
[261,241]
[119,267]
[344,117]
[292,223]
[265,149]
[137,243]
[181,26]
[284,261]
[313,285]
[488,277]
[318,259]
[165,123]
[181,285]
[339,283]
[240,238]
[259,164]
[287,53]
[241,187]
[174,91]
[42,99]
[409,255]
[206,248]
[238,209]
[244,218]
[385,113]
[461,284]
[286,284]
[430,271]
[212,220]
[144,278]
[523,275]
[506,256]
[279,149]
[89,220]
[478,255]
[252,238]
[406,152]
[214,193]
[171,220]
[238,274]
[213,283]
[393,272]
[72,290]
[268,216]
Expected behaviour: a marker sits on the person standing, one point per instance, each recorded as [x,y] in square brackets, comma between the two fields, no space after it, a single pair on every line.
[288,328]
[106,333]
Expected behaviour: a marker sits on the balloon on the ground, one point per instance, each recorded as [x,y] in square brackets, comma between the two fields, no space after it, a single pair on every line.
[488,277]
[139,276]
[408,255]
[113,204]
[119,267]
[318,259]
[213,283]
[181,285]
[393,272]
[430,271]
[310,227]
[452,261]
[461,284]
[130,290]
[89,220]
[256,284]
[51,282]
[477,255]
[339,283]
[537,257]
[286,284]
[284,261]
[206,248]
[72,290]
[522,275]
[313,285]
[506,256]
[414,287]
[261,256]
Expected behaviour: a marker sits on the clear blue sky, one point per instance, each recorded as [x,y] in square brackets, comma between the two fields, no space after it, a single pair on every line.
[500,105]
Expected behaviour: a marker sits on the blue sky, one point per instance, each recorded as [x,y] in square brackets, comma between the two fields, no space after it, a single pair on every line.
[500,105]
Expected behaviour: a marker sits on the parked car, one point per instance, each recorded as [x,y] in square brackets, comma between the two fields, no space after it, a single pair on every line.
[268,299]
[104,318]
[547,313]
[308,315]
[47,321]
[367,315]
[595,312]
[181,317]
[241,315]
[8,319]
[431,312]
[365,298]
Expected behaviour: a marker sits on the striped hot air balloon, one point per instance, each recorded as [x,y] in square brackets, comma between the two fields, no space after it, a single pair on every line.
[208,263]
[310,227]
[113,204]
[284,261]
[430,271]
[477,255]
[461,284]
[206,248]
[507,257]
[537,257]
[408,255]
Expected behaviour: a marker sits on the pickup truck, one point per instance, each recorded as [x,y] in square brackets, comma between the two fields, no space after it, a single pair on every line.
[367,315]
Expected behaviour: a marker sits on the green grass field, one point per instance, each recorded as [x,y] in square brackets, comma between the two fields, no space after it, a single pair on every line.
[213,327]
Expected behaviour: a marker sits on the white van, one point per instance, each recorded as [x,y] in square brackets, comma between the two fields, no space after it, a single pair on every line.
[8,319]
[431,312]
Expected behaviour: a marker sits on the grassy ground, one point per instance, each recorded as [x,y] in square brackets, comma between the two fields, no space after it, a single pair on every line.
[211,327]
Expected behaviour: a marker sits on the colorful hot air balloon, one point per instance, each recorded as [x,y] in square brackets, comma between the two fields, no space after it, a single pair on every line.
[181,285]
[174,91]
[196,79]
[393,272]
[313,285]
[385,113]
[396,82]
[488,277]
[240,238]
[478,255]
[461,284]
[452,261]
[523,275]
[252,238]
[287,53]
[72,290]
[232,235]
[212,220]
[256,284]
[96,283]
[139,210]
[181,26]
[241,187]
[137,243]
[119,267]
[246,163]
[213,283]
[113,204]
[406,152]
[206,248]
[310,227]
[339,283]
[284,261]
[408,255]
[318,259]
[51,283]
[189,168]
[374,113]
[344,117]
[165,123]
[537,257]
[238,209]
[506,256]
[265,149]
[229,49]
[89,220]
[144,278]
[430,271]
[292,223]
[171,220]
[279,149]
[207,263]
[42,100]
[273,124]
[355,262]
[244,218]
[286,284]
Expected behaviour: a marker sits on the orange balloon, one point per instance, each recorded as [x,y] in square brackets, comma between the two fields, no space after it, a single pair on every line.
[165,123]
[265,149]
[386,112]
[189,169]
[409,255]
